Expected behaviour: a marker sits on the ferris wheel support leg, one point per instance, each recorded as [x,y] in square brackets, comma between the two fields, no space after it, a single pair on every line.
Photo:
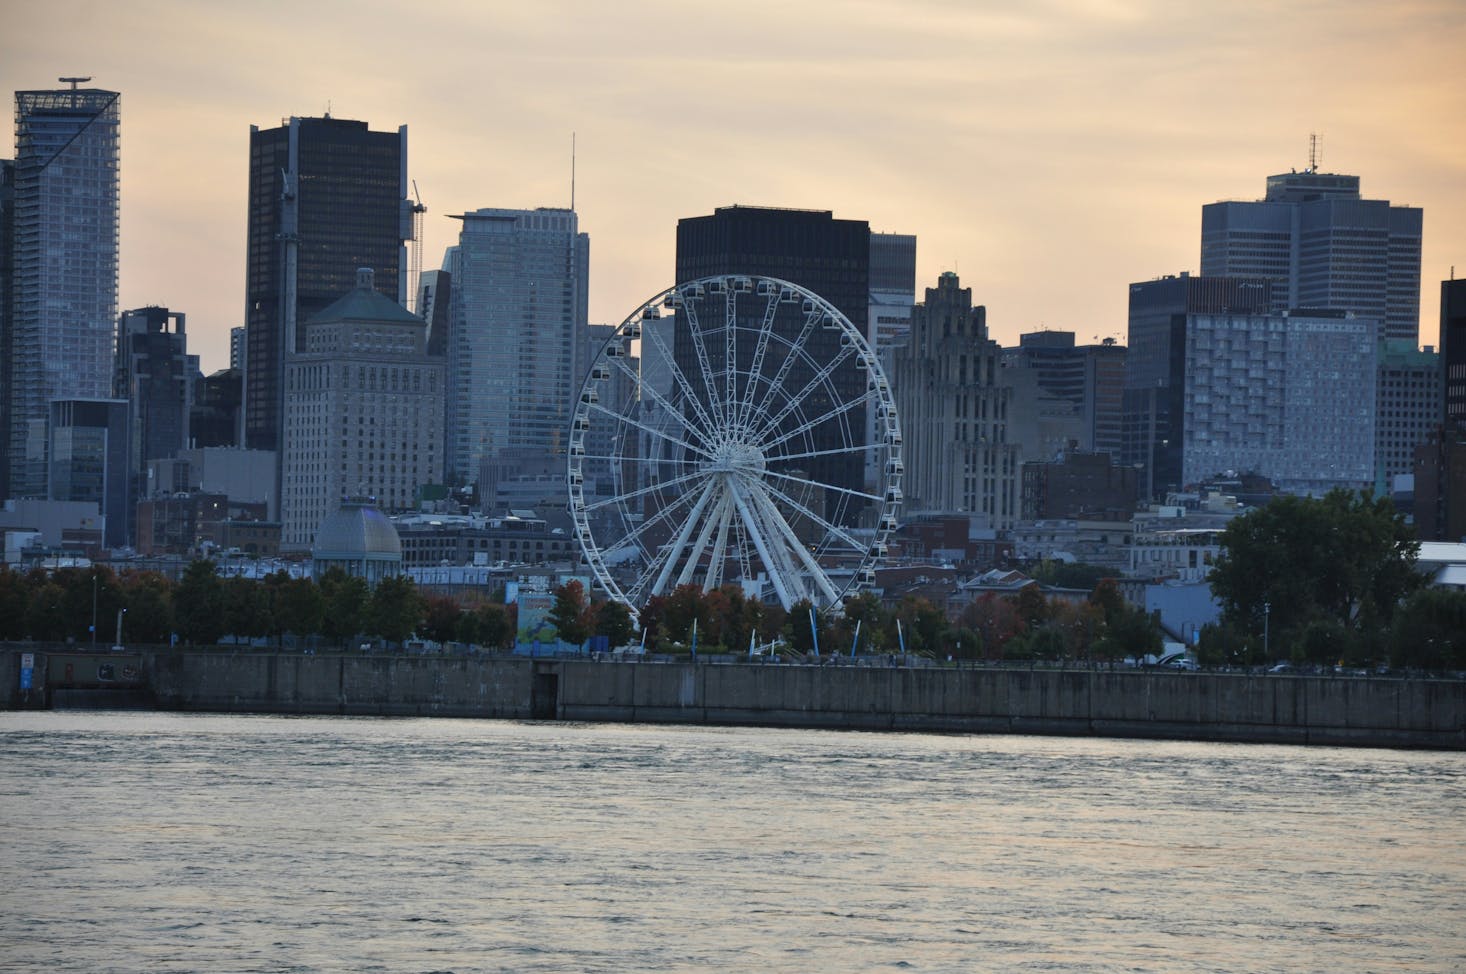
[816,573]
[777,568]
[674,551]
[689,567]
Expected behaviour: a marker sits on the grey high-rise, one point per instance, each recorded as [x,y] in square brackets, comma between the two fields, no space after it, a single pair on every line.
[1324,246]
[62,255]
[327,197]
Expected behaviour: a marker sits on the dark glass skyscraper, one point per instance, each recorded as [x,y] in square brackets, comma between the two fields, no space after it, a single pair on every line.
[62,254]
[812,249]
[327,197]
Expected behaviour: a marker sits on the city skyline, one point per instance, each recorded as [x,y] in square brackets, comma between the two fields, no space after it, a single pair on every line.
[1077,142]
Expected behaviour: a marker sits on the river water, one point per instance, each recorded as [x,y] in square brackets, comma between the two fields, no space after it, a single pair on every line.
[158,842]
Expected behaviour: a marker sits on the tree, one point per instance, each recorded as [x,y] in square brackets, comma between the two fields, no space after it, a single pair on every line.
[1429,630]
[300,607]
[613,620]
[148,597]
[395,609]
[569,613]
[45,617]
[346,599]
[923,625]
[440,618]
[496,625]
[198,604]
[1346,556]
[246,608]
[14,597]
[995,619]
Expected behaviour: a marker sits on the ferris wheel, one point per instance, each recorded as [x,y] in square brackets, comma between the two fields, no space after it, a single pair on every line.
[735,429]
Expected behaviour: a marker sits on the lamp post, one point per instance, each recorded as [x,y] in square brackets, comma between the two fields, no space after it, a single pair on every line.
[94,609]
[120,613]
[1267,611]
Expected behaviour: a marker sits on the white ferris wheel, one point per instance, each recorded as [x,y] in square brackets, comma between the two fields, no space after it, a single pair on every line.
[735,429]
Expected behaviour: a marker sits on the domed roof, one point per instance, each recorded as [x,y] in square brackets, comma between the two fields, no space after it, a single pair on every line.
[357,530]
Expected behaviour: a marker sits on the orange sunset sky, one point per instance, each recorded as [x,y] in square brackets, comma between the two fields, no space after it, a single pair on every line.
[1050,152]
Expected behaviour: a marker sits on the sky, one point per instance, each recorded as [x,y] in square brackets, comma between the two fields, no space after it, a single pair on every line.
[1050,152]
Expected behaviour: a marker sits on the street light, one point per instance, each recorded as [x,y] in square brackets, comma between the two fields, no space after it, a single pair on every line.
[1267,611]
[118,645]
[94,609]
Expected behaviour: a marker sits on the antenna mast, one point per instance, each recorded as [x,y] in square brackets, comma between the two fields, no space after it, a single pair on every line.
[1313,152]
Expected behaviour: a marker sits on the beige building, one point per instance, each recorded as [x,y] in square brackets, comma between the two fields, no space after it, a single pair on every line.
[363,413]
[955,411]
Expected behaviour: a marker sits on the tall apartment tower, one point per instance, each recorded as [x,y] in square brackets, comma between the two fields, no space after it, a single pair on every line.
[59,336]
[1323,246]
[517,315]
[814,250]
[364,412]
[7,270]
[954,408]
[327,196]
[1408,400]
[1153,405]
[156,377]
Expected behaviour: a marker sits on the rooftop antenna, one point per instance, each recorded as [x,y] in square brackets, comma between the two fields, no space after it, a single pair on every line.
[1313,152]
[73,82]
[572,172]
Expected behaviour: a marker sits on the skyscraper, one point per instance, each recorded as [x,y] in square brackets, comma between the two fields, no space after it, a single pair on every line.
[1440,464]
[327,197]
[1092,377]
[156,376]
[816,251]
[364,412]
[954,409]
[60,337]
[517,317]
[1153,406]
[1324,246]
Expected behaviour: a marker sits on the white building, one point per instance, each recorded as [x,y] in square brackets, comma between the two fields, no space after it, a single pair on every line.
[518,315]
[1290,397]
[363,412]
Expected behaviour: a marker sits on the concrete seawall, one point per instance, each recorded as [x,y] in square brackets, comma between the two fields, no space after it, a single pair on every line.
[1335,710]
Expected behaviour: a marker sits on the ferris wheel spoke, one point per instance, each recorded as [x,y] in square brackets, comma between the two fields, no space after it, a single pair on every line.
[643,491]
[823,486]
[782,374]
[652,430]
[810,424]
[821,378]
[635,534]
[669,361]
[651,391]
[755,368]
[830,530]
[795,547]
[861,448]
[704,364]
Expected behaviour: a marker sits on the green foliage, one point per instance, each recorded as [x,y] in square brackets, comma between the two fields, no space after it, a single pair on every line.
[569,613]
[14,598]
[198,605]
[395,609]
[300,608]
[441,616]
[345,604]
[923,625]
[45,617]
[613,620]
[149,602]
[246,608]
[1348,557]
[1429,631]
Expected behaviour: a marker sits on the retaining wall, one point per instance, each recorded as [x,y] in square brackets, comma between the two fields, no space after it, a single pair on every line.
[1404,712]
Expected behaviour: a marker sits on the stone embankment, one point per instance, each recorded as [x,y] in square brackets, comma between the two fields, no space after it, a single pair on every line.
[1332,710]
